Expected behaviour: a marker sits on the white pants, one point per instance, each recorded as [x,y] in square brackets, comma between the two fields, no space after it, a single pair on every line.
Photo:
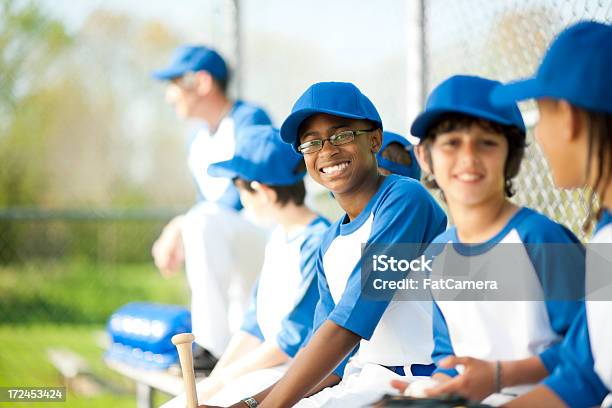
[247,386]
[359,388]
[242,387]
[223,256]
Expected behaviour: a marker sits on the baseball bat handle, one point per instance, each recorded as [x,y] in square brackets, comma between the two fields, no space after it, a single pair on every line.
[183,343]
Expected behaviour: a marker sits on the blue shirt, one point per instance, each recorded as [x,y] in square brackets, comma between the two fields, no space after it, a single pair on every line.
[205,148]
[401,211]
[575,380]
[284,299]
[515,329]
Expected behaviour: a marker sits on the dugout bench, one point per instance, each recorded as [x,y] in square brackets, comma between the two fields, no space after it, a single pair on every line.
[147,381]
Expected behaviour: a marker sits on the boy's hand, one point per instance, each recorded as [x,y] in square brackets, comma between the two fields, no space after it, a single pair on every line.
[419,387]
[399,385]
[475,383]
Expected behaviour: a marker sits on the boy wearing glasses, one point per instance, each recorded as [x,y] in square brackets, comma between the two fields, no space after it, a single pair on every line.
[339,132]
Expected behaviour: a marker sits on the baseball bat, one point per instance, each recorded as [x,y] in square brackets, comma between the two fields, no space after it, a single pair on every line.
[183,343]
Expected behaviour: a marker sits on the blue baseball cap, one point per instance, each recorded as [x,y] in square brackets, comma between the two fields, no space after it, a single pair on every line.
[412,171]
[577,67]
[261,156]
[193,58]
[469,95]
[334,98]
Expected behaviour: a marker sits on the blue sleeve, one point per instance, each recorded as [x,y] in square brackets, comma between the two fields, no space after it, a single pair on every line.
[442,342]
[298,323]
[550,357]
[404,215]
[249,321]
[574,380]
[558,259]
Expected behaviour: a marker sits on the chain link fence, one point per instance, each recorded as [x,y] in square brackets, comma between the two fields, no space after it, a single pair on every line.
[63,273]
[505,40]
[102,236]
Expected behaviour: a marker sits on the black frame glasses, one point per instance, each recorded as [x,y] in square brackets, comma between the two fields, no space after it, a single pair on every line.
[338,139]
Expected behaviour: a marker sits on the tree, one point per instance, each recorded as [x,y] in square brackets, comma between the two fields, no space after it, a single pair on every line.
[30,43]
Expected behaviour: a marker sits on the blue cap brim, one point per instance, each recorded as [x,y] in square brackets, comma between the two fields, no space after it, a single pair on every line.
[224,169]
[389,138]
[290,126]
[425,120]
[508,94]
[235,168]
[168,74]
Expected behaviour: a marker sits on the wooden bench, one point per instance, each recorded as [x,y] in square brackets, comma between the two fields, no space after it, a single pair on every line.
[147,381]
[77,375]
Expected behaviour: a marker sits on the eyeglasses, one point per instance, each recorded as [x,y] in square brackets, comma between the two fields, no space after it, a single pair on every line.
[344,137]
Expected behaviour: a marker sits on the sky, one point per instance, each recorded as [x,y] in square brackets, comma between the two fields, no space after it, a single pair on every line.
[338,40]
[319,22]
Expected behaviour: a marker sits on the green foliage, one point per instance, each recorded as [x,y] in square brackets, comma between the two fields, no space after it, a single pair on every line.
[80,117]
[30,43]
[78,291]
[22,179]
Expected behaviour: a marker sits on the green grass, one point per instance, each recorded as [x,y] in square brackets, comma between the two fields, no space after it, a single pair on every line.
[24,363]
[63,304]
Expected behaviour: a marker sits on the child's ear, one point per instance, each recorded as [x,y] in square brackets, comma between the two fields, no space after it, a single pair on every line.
[267,194]
[376,141]
[420,153]
[573,120]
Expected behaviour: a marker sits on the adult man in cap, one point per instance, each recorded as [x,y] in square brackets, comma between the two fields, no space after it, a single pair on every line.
[221,249]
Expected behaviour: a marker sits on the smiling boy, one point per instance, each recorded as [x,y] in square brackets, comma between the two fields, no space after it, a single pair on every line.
[339,132]
[471,151]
